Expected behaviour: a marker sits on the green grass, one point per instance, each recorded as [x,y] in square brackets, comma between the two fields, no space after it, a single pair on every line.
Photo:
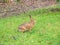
[45,32]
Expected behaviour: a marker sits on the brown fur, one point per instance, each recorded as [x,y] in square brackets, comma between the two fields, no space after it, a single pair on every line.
[27,26]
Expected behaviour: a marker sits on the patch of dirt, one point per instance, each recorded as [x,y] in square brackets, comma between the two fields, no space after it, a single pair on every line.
[25,5]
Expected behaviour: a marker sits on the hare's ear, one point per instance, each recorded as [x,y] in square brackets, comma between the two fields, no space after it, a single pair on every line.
[30,16]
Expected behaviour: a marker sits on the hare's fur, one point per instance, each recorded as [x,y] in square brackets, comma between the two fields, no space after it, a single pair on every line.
[27,26]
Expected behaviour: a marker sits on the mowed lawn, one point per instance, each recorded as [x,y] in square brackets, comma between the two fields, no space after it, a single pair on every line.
[45,32]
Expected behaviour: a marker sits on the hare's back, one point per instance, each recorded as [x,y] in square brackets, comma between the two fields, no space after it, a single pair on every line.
[25,25]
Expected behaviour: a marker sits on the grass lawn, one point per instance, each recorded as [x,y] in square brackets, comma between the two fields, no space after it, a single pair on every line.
[45,32]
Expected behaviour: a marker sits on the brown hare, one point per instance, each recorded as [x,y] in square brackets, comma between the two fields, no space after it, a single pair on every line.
[27,26]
